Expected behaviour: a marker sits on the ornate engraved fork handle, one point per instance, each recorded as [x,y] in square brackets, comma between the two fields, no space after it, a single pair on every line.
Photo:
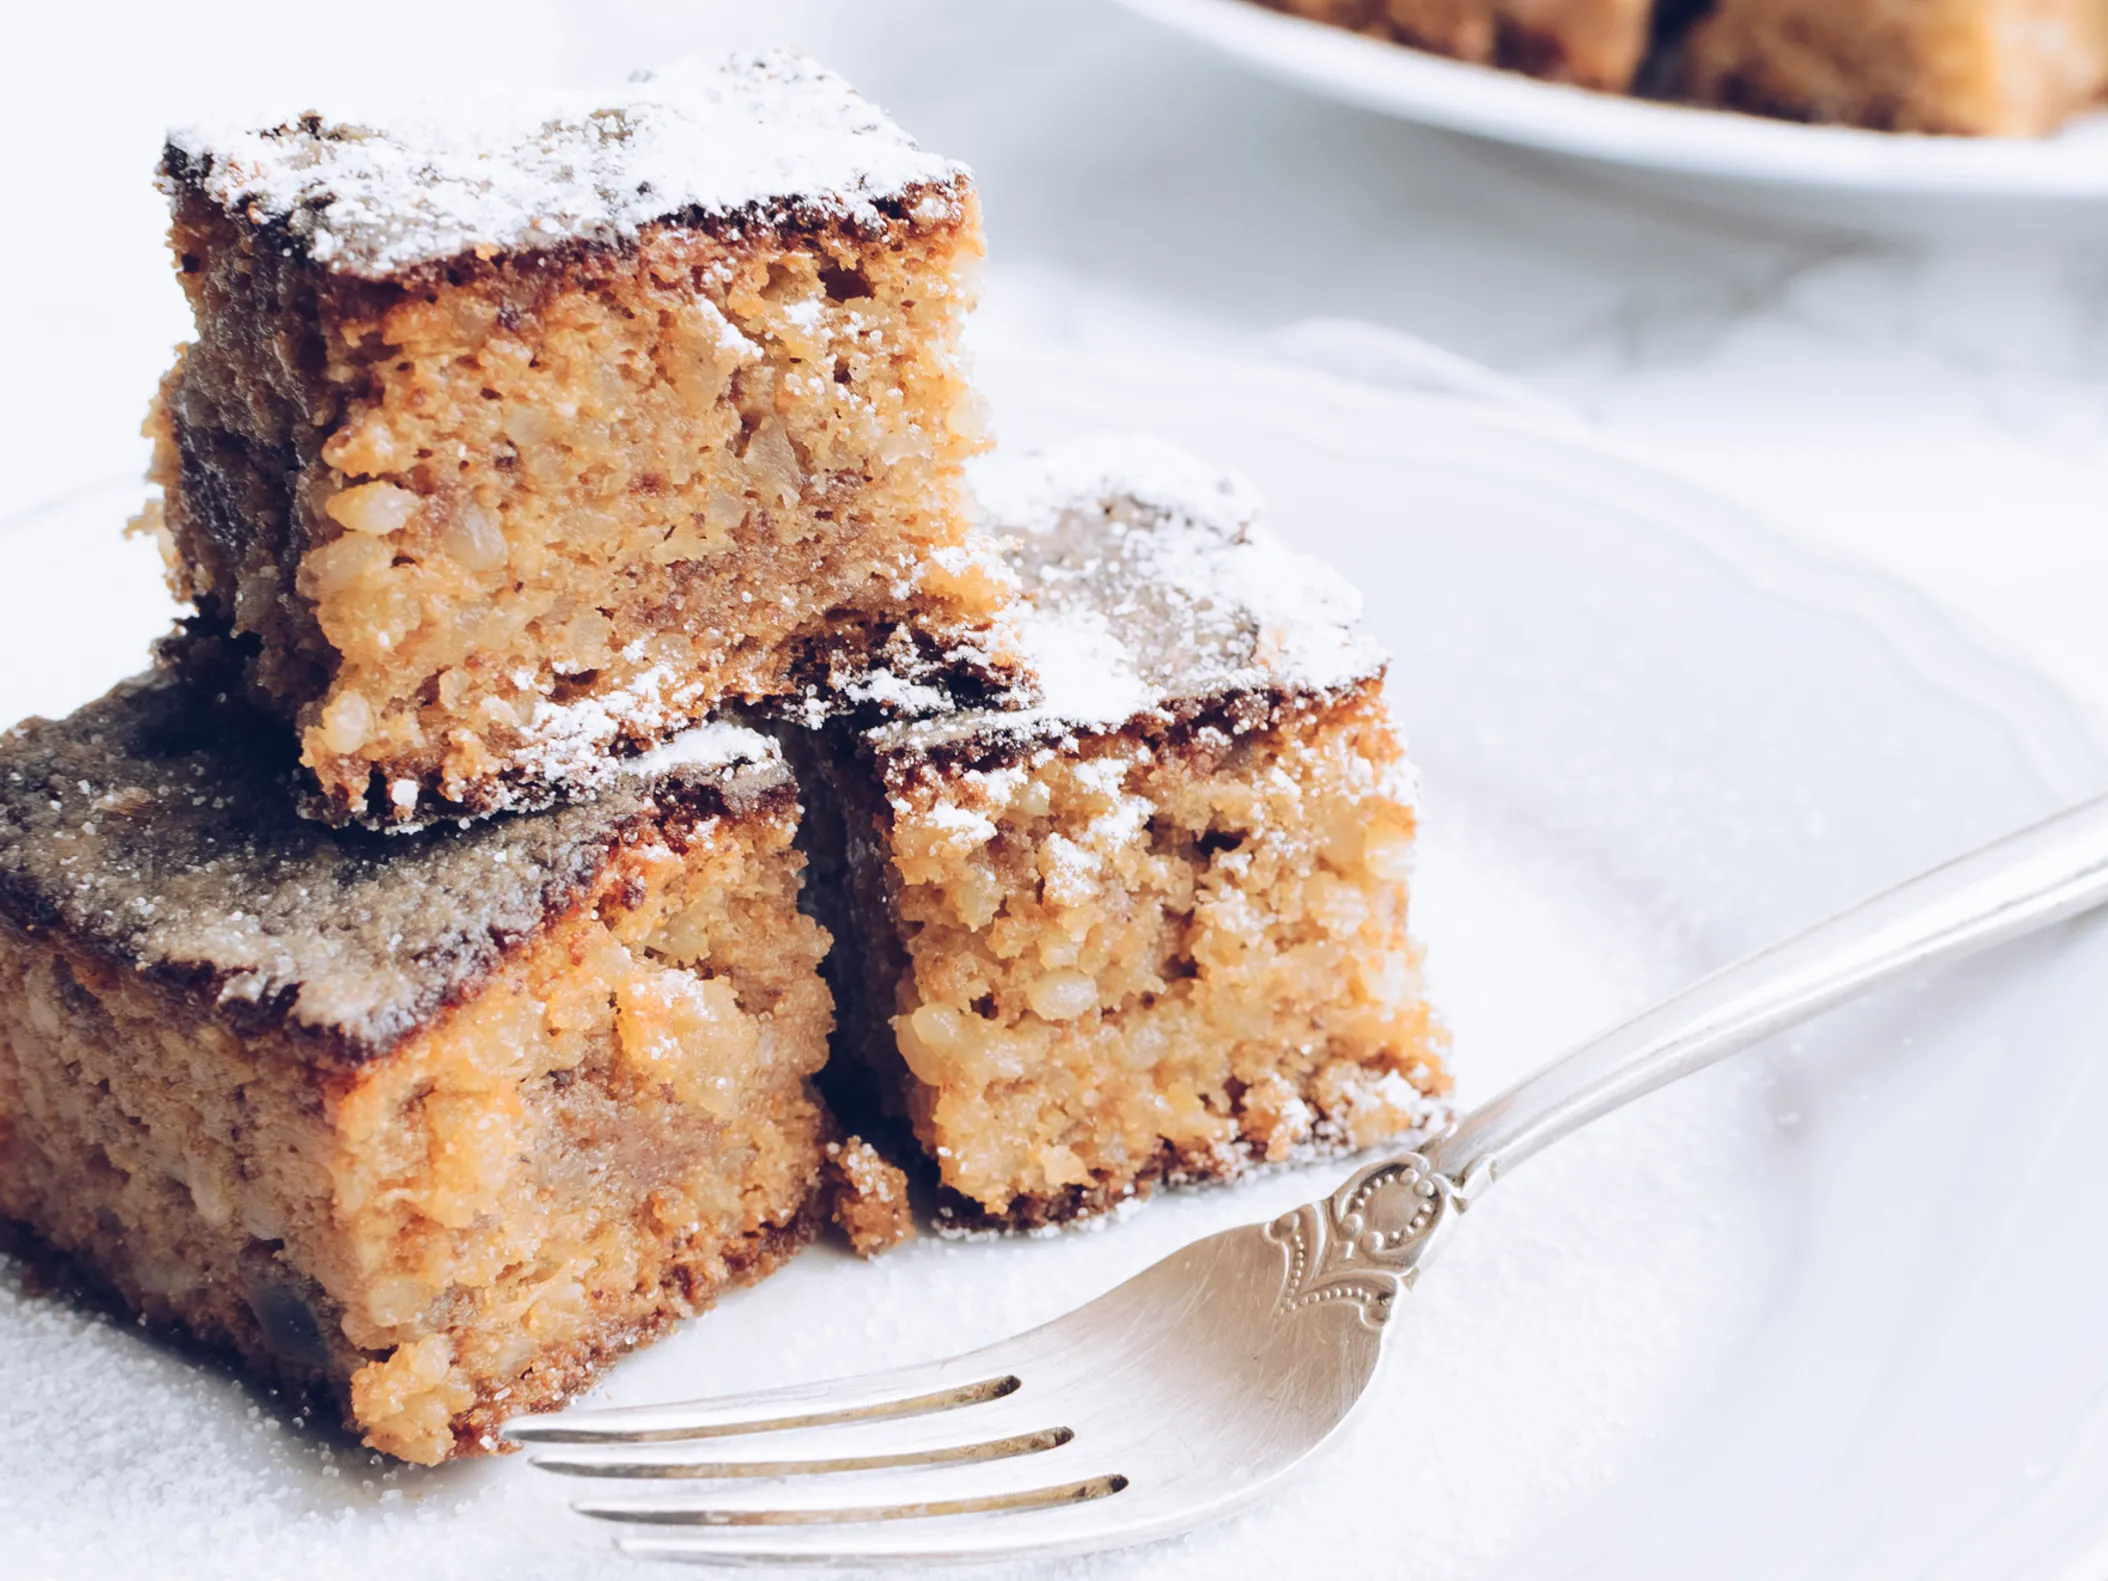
[1365,1242]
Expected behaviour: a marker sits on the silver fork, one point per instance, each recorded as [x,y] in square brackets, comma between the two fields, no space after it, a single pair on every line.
[1189,1391]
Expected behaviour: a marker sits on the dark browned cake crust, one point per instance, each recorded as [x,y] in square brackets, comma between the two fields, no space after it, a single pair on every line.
[434,1125]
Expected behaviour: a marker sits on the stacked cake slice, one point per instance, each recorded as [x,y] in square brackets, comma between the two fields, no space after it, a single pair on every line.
[417,983]
[1155,927]
[514,441]
[438,1123]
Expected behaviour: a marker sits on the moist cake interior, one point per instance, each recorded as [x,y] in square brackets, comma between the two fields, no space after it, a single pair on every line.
[433,1125]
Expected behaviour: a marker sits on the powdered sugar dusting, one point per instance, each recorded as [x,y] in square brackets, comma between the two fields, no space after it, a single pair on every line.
[744,135]
[896,693]
[1150,580]
[1034,493]
[578,748]
[712,746]
[1087,675]
[574,745]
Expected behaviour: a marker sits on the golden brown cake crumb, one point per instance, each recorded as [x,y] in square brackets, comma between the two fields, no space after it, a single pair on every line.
[433,1125]
[1156,928]
[496,479]
[870,1197]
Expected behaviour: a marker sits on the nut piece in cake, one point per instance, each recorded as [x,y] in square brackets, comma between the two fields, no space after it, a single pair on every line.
[514,438]
[1593,43]
[1155,928]
[432,1126]
[1992,67]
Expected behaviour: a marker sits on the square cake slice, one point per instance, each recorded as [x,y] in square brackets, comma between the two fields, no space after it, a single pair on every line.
[516,436]
[2013,68]
[1592,43]
[1154,928]
[430,1126]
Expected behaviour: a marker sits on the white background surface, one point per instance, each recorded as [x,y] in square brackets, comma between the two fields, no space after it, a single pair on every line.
[1936,408]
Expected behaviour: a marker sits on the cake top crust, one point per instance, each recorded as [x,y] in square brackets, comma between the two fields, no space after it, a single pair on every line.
[155,827]
[766,138]
[1151,584]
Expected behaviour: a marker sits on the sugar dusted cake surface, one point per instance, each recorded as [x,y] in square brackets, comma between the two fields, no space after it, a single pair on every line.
[160,826]
[1152,584]
[768,136]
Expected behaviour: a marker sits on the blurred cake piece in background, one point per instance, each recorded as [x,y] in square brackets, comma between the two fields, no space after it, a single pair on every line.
[2010,68]
[518,433]
[1592,43]
[1154,929]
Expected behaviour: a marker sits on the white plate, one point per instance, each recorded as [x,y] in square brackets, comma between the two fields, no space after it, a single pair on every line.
[1559,119]
[1834,1309]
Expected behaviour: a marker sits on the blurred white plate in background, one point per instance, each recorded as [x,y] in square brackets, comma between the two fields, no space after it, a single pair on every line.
[1834,1309]
[1555,118]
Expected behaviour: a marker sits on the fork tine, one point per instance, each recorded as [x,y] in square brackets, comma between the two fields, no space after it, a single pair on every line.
[587,1462]
[915,1391]
[940,1433]
[911,1473]
[918,1487]
[910,1502]
[1074,1525]
[913,1482]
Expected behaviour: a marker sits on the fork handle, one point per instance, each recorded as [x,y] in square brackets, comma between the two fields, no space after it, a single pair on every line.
[2044,874]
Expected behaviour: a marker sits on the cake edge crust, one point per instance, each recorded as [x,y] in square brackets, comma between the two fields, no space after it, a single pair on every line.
[927,207]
